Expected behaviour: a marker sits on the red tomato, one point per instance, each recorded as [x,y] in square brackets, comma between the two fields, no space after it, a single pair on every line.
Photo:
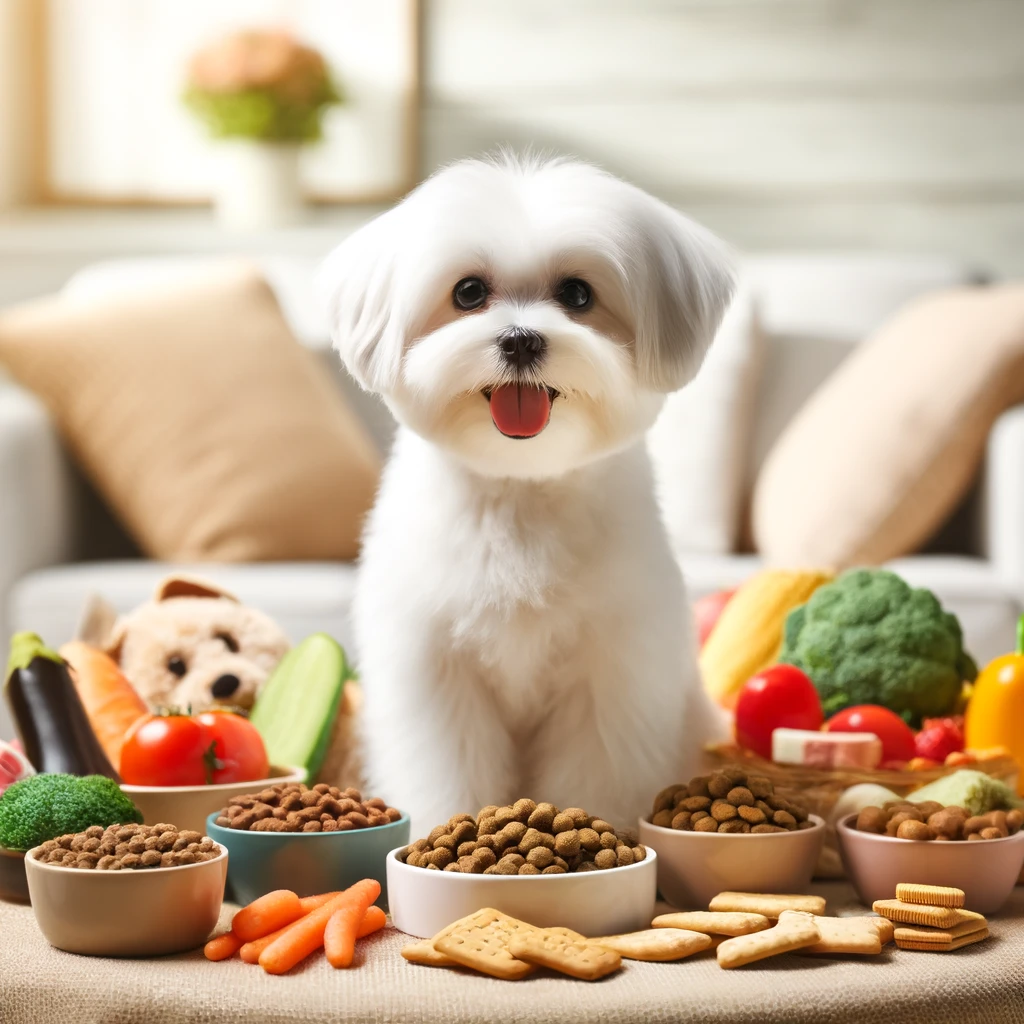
[897,737]
[184,750]
[779,697]
[706,612]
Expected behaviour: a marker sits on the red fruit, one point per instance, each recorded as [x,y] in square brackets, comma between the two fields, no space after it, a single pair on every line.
[897,737]
[778,697]
[706,612]
[939,737]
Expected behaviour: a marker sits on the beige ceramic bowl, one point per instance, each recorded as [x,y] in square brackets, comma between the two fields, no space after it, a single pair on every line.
[695,866]
[145,912]
[607,902]
[986,871]
[188,806]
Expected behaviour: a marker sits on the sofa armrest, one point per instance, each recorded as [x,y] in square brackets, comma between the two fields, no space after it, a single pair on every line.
[1003,499]
[36,493]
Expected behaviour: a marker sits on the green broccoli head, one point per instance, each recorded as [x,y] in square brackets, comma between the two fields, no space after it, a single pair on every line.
[869,638]
[45,806]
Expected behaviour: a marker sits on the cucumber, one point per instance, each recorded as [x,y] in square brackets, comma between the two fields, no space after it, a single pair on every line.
[296,709]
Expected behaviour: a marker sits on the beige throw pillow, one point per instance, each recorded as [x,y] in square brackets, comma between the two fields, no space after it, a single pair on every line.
[883,452]
[211,432]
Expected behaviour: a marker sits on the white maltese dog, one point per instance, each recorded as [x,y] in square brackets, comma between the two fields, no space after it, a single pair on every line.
[520,621]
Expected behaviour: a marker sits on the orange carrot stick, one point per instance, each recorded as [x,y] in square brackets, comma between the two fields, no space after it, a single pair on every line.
[373,921]
[307,934]
[266,915]
[222,946]
[343,927]
[309,903]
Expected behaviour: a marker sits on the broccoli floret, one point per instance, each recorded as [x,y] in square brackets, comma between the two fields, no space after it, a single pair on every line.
[45,806]
[869,638]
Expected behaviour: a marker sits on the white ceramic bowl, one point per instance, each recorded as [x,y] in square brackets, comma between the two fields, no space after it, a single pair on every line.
[187,807]
[986,871]
[606,902]
[695,866]
[141,912]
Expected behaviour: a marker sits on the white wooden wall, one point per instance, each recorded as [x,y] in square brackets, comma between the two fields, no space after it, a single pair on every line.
[892,124]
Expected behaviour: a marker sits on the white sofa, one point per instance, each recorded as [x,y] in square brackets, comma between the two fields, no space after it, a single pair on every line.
[58,544]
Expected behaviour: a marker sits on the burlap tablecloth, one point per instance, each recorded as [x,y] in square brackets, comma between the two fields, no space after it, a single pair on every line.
[984,983]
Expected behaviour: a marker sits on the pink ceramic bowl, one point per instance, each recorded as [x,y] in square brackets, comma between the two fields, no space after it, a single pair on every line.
[986,871]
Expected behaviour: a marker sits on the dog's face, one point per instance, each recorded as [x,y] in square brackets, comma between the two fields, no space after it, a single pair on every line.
[526,317]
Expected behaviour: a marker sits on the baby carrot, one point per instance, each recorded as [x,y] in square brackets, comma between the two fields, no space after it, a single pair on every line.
[309,903]
[307,934]
[266,915]
[343,926]
[222,946]
[373,922]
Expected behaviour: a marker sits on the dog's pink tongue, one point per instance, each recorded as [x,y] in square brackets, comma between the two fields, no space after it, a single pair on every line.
[520,411]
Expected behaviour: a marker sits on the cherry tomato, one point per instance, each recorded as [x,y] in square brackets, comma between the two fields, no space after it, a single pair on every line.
[897,737]
[779,697]
[184,750]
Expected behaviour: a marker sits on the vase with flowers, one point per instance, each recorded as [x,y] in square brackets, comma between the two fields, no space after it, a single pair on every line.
[261,95]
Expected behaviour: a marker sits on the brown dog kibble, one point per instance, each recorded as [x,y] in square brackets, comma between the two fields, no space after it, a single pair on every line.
[144,846]
[293,807]
[928,821]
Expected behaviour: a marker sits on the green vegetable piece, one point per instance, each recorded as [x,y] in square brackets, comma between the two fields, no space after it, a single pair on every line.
[296,710]
[43,807]
[869,638]
[977,792]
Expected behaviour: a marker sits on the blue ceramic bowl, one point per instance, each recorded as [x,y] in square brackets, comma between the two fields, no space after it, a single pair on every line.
[308,863]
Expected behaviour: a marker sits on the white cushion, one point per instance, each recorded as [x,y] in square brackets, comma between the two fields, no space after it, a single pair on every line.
[700,443]
[301,597]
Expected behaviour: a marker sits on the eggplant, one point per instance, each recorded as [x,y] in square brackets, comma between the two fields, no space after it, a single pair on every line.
[48,712]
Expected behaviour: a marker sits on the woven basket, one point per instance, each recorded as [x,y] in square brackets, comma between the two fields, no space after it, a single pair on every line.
[819,789]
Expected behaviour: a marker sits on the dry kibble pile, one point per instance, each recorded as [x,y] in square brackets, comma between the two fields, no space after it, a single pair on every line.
[525,839]
[293,807]
[128,847]
[929,820]
[730,800]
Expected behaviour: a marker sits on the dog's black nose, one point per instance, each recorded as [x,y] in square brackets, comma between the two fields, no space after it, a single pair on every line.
[225,686]
[521,347]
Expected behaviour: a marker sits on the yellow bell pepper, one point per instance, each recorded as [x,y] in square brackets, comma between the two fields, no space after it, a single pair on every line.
[995,712]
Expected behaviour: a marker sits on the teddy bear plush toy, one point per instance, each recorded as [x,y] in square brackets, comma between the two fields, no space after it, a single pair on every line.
[192,644]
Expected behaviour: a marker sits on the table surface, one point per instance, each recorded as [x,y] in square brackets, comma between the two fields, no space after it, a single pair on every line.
[982,982]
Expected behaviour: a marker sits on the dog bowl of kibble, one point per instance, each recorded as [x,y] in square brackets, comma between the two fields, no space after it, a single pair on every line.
[127,890]
[730,831]
[309,840]
[189,806]
[933,845]
[529,860]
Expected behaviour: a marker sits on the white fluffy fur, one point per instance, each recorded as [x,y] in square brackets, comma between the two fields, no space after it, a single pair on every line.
[520,621]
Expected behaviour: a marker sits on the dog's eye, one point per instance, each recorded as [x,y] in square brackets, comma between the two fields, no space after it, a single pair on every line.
[177,666]
[229,642]
[575,294]
[469,293]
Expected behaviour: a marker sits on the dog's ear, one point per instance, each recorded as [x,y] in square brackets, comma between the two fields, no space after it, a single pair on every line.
[97,623]
[356,287]
[189,586]
[685,281]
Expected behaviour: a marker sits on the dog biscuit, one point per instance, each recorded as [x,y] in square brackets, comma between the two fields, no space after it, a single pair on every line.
[914,933]
[481,941]
[770,905]
[918,913]
[713,924]
[943,947]
[886,929]
[842,934]
[932,895]
[423,952]
[552,948]
[796,932]
[655,944]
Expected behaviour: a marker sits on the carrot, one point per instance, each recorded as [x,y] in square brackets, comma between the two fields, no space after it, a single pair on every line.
[222,946]
[373,921]
[307,934]
[309,903]
[111,703]
[343,926]
[266,914]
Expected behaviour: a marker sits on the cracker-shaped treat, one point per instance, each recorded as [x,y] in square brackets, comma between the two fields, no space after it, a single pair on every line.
[481,942]
[919,913]
[579,958]
[713,923]
[770,905]
[796,932]
[943,947]
[931,895]
[842,934]
[915,933]
[423,952]
[655,944]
